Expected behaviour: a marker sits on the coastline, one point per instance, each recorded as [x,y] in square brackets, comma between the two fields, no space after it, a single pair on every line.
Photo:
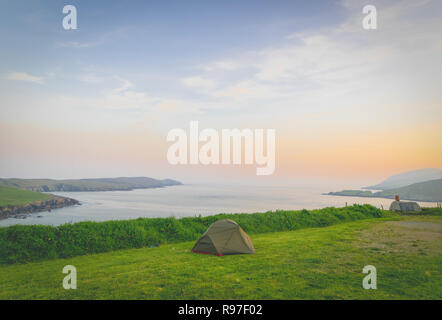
[22,211]
[373,196]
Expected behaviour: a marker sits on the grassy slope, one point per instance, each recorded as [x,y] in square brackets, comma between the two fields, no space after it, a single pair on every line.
[12,196]
[425,191]
[407,178]
[317,263]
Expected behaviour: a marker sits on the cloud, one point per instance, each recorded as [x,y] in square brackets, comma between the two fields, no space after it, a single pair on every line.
[111,36]
[198,82]
[90,78]
[334,67]
[75,44]
[23,76]
[118,97]
[126,85]
[123,98]
[222,65]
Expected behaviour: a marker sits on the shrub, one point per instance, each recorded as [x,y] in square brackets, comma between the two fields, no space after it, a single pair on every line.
[22,243]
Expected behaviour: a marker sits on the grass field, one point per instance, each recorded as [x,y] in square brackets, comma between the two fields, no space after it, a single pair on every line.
[26,243]
[14,197]
[315,263]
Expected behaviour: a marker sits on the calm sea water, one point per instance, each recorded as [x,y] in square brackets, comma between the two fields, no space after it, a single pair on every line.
[190,200]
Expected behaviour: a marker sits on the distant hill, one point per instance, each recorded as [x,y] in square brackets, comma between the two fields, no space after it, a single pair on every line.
[408,178]
[103,184]
[423,191]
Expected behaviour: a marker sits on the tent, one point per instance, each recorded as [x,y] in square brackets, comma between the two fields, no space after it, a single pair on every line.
[224,237]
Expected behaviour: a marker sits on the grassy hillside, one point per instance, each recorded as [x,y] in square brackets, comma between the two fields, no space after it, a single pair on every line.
[315,263]
[23,243]
[14,197]
[104,184]
[406,178]
[422,191]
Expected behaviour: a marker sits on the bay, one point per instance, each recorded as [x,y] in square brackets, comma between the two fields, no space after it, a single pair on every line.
[192,200]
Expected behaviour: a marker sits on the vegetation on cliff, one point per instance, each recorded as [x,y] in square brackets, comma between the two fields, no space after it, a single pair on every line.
[15,202]
[16,197]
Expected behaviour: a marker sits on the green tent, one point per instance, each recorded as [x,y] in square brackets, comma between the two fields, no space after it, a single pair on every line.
[224,237]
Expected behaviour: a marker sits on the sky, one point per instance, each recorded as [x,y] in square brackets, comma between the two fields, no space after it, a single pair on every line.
[346,103]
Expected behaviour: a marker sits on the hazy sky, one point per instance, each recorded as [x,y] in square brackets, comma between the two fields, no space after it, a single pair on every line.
[99,101]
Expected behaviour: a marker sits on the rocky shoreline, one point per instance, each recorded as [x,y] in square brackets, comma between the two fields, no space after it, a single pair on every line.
[38,206]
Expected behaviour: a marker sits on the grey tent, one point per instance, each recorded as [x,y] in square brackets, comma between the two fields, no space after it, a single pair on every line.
[402,206]
[224,237]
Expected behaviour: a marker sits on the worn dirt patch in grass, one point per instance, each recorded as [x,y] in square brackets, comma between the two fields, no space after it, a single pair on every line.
[414,235]
[431,226]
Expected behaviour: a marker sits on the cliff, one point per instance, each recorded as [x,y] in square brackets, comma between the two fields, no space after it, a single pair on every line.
[37,206]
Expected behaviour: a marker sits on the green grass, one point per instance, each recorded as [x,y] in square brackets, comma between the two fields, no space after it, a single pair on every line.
[24,243]
[433,211]
[313,263]
[15,197]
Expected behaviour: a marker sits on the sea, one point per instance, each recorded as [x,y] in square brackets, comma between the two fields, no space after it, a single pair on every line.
[191,200]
